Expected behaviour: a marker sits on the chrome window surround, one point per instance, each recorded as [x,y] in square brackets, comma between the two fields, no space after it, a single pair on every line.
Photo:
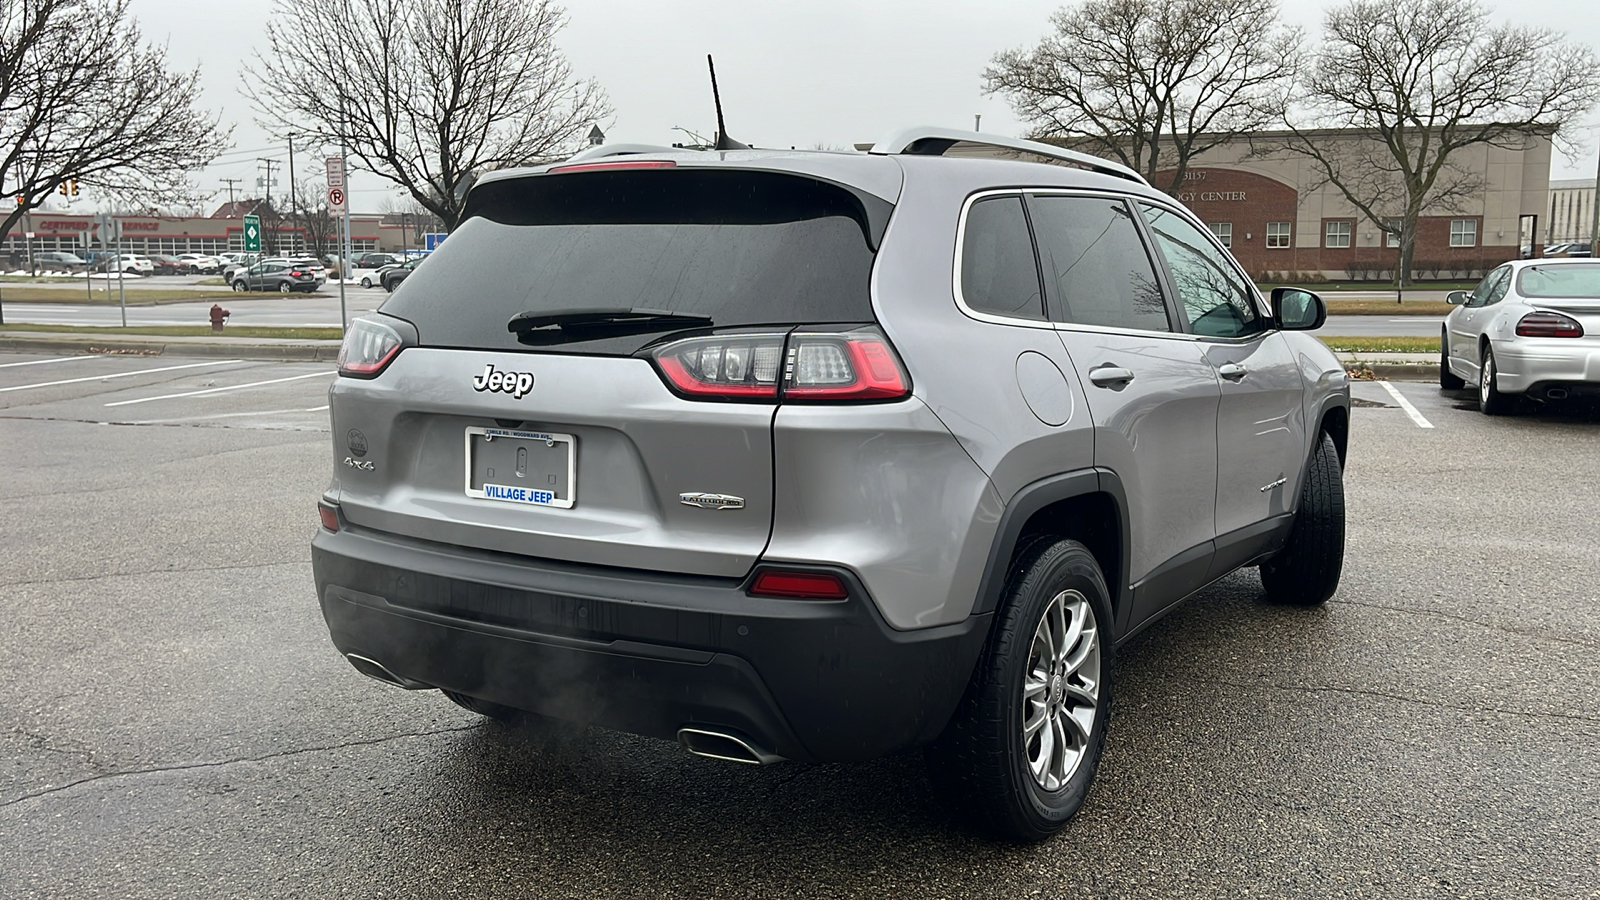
[1159,264]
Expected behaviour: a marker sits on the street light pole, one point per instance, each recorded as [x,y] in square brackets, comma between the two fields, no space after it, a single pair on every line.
[1594,208]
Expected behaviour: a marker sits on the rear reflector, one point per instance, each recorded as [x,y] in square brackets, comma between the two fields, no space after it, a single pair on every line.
[329,515]
[1548,324]
[798,585]
[615,164]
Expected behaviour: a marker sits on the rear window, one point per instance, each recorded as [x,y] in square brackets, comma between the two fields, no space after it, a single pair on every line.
[744,248]
[1563,282]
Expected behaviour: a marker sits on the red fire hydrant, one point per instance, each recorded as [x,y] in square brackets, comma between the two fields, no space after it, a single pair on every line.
[218,316]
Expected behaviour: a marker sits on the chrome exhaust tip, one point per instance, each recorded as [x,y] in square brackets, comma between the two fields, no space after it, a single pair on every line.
[1556,393]
[379,672]
[724,746]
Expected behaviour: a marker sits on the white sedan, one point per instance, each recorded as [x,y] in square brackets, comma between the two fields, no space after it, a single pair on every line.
[1531,328]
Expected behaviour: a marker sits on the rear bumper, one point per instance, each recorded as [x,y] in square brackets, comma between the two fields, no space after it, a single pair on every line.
[1534,365]
[642,652]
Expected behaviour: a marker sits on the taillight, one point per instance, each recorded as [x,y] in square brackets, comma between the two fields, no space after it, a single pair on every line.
[798,585]
[1548,324]
[329,514]
[842,366]
[368,347]
[723,366]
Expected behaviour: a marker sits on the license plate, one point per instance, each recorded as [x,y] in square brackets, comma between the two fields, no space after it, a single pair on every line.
[529,467]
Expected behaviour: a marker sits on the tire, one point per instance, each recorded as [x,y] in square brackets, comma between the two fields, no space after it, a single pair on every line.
[1027,700]
[1306,571]
[484,707]
[1490,401]
[285,287]
[366,282]
[1448,380]
[240,287]
[388,285]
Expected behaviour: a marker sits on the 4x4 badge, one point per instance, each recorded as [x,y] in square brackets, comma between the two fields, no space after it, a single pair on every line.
[514,383]
[711,501]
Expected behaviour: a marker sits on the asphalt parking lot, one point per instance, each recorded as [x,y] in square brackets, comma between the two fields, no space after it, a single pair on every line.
[176,722]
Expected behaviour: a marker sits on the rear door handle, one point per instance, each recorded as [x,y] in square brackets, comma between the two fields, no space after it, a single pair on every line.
[1110,376]
[1232,371]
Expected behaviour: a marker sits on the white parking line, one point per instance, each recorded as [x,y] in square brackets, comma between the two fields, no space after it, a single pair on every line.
[317,408]
[1412,411]
[220,390]
[23,387]
[40,362]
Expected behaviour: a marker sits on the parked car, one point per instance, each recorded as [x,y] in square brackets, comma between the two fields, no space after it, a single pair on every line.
[60,260]
[127,263]
[168,265]
[376,260]
[823,456]
[1530,329]
[391,276]
[281,275]
[200,264]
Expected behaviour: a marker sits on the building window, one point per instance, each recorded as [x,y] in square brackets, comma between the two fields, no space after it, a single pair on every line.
[1277,235]
[1392,238]
[1337,233]
[1223,231]
[1463,232]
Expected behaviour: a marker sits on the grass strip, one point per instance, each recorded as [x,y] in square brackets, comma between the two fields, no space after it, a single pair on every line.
[1338,307]
[1382,344]
[330,333]
[100,297]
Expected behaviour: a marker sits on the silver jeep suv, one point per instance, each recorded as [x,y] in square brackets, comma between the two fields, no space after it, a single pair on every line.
[823,456]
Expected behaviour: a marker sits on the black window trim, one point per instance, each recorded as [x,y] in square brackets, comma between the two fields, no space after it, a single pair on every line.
[1048,324]
[1170,286]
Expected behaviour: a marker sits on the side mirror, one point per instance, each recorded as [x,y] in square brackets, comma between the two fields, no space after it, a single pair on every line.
[1457,298]
[1297,309]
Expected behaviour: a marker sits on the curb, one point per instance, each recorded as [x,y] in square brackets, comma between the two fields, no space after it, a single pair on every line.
[243,348]
[1403,371]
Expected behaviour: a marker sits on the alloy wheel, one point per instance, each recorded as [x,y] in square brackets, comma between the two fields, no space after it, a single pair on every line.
[1061,692]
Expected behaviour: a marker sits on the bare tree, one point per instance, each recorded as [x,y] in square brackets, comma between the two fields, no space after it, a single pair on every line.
[433,93]
[1429,79]
[1153,83]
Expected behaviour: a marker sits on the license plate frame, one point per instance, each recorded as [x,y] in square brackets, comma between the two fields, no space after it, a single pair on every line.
[495,489]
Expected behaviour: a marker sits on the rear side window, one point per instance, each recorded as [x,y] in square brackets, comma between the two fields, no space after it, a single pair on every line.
[1095,264]
[741,247]
[999,274]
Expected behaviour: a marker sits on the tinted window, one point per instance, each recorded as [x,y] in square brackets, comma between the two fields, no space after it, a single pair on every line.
[1214,298]
[1095,265]
[744,248]
[1491,288]
[1575,281]
[998,272]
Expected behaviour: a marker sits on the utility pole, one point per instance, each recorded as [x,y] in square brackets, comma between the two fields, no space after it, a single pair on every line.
[268,195]
[977,119]
[230,182]
[1594,209]
[294,201]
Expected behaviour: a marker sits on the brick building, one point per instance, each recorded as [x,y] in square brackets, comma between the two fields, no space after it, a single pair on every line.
[1273,211]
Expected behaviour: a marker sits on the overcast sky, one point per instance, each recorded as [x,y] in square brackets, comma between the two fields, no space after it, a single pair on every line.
[800,73]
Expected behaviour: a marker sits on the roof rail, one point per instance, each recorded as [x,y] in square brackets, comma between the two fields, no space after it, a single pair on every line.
[605,150]
[927,140]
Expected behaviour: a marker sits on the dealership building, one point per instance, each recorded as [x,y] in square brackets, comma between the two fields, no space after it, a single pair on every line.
[219,232]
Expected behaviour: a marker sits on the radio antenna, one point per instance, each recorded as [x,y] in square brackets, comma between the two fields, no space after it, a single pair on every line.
[723,141]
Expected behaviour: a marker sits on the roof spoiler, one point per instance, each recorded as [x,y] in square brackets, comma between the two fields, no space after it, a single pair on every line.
[924,140]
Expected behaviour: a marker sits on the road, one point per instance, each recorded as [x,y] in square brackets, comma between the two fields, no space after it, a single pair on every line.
[177,723]
[293,310]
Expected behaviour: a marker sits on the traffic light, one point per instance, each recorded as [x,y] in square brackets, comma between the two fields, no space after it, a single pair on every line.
[74,185]
[68,188]
[22,200]
[63,190]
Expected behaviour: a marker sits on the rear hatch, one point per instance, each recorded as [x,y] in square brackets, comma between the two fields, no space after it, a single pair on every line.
[527,413]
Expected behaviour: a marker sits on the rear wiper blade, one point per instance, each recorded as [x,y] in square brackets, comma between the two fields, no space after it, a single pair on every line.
[553,326]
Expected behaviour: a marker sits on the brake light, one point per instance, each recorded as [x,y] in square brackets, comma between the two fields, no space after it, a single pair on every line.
[1548,324]
[842,366]
[614,164]
[798,585]
[368,348]
[294,273]
[723,366]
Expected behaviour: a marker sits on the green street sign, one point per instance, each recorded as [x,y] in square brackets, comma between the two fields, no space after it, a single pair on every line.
[252,234]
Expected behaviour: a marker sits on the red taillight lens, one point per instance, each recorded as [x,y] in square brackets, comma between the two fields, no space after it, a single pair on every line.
[1548,324]
[835,366]
[329,515]
[368,347]
[798,585]
[614,164]
[294,273]
[724,366]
